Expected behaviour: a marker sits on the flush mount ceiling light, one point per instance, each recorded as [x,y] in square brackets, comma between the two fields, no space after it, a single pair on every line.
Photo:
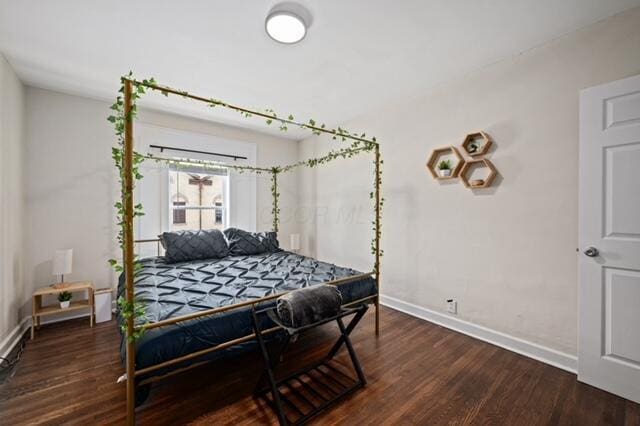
[287,23]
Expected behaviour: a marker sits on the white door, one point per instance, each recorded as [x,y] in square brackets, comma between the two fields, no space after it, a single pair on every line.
[609,265]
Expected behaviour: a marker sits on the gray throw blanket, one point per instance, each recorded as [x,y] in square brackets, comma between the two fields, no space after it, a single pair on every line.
[309,305]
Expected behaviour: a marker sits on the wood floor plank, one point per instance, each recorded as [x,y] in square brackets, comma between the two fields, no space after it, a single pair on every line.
[417,372]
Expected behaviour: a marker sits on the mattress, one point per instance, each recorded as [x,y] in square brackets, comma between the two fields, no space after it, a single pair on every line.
[172,290]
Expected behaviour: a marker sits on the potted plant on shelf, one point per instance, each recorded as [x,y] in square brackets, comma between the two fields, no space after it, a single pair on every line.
[65,299]
[444,167]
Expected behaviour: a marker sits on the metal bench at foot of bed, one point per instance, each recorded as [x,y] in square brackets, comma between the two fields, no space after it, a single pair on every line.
[316,386]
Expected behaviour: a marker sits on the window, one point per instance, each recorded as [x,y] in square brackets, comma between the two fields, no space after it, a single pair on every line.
[199,200]
[179,215]
[217,203]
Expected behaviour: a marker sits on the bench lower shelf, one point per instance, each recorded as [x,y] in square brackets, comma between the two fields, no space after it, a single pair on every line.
[310,391]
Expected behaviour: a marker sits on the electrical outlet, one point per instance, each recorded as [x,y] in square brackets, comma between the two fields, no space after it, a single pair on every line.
[452,306]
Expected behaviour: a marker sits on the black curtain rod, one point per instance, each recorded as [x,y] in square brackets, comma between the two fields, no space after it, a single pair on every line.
[168,148]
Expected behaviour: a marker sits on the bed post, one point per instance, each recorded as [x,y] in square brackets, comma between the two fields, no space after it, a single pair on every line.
[128,245]
[275,208]
[377,242]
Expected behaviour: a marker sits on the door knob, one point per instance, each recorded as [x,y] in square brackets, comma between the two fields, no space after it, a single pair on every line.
[591,251]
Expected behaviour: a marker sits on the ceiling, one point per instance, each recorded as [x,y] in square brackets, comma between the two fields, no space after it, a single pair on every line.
[357,56]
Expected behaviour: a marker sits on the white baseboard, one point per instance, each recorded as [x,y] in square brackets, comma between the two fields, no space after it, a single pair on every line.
[9,342]
[532,350]
[523,347]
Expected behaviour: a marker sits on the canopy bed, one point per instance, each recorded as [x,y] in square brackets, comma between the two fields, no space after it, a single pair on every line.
[179,314]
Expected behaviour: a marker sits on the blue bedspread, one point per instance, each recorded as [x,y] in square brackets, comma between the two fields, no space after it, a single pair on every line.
[171,290]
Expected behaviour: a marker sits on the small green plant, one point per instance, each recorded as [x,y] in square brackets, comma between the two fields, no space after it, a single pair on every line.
[65,296]
[444,165]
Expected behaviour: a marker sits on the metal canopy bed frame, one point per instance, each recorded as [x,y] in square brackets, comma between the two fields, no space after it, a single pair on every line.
[131,90]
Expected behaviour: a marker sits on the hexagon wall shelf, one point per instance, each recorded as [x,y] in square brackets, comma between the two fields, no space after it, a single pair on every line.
[478,183]
[432,163]
[480,140]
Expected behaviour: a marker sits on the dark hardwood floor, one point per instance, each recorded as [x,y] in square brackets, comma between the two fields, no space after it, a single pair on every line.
[418,373]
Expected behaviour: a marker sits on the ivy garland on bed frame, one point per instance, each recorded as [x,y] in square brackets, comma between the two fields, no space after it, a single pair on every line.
[128,162]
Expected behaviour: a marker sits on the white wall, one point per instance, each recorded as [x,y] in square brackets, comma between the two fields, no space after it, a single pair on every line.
[71,181]
[13,286]
[507,254]
[335,211]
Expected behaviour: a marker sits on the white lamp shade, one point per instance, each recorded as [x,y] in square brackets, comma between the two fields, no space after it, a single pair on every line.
[62,262]
[295,242]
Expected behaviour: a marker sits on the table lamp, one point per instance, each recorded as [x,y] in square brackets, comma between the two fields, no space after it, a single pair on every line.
[62,264]
[295,243]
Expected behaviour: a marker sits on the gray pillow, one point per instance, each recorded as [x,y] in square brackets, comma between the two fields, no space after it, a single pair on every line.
[243,243]
[182,246]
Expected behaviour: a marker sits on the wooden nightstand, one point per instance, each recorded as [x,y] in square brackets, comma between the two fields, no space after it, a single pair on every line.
[39,310]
